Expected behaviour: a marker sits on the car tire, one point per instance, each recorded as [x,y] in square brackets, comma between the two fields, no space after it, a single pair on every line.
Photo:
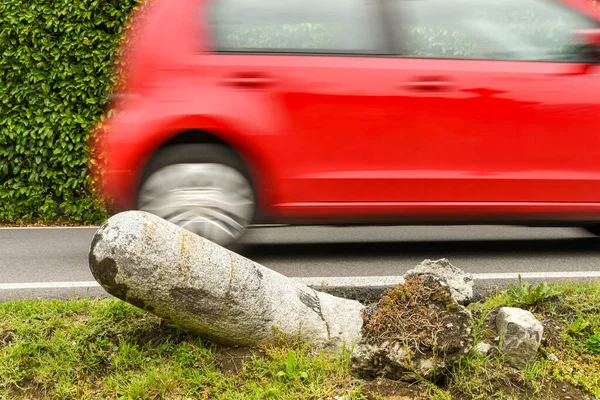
[204,188]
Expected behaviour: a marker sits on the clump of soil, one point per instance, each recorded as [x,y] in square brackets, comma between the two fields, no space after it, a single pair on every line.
[393,390]
[497,381]
[416,330]
[415,312]
[6,337]
[231,360]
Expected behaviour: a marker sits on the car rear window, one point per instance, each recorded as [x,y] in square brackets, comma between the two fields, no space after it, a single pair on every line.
[299,26]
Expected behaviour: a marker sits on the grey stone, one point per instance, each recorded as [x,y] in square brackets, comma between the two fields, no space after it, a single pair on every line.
[482,348]
[521,335]
[203,287]
[410,356]
[386,359]
[459,281]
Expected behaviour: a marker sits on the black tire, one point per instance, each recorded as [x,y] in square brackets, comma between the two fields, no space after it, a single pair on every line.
[199,154]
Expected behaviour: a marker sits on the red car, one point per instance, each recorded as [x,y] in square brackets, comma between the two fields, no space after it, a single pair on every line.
[359,111]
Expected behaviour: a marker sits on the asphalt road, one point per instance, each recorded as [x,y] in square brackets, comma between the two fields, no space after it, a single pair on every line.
[40,255]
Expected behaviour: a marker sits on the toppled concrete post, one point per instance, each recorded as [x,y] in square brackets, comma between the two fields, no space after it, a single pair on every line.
[201,286]
[521,333]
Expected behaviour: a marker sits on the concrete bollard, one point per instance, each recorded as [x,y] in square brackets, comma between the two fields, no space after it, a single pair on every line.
[201,286]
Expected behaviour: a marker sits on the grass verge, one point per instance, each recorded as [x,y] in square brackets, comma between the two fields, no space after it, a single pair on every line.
[567,365]
[91,349]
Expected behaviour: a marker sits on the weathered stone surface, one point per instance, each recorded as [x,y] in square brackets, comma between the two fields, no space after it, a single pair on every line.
[428,332]
[482,348]
[164,269]
[521,334]
[459,282]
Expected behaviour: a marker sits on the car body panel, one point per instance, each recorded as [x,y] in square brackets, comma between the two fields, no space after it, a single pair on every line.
[360,138]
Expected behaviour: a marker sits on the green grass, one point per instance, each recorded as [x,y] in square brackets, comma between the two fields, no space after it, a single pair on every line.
[571,317]
[92,349]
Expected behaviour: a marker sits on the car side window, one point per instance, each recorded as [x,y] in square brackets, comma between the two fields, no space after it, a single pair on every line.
[528,30]
[285,26]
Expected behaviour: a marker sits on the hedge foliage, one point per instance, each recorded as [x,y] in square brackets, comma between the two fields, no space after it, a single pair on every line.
[56,64]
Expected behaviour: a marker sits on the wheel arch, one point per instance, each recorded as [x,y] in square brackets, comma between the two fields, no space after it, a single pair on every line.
[210,136]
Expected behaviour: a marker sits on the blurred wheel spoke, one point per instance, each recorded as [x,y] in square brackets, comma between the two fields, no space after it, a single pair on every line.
[212,200]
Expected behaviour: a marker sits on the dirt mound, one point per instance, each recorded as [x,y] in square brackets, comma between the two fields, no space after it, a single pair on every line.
[417,329]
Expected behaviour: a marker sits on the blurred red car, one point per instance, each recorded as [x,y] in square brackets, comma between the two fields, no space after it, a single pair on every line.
[359,111]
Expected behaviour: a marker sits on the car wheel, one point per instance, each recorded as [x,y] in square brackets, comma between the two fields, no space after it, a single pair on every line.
[203,188]
[593,229]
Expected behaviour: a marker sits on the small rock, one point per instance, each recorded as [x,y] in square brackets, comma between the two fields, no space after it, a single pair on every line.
[459,282]
[496,339]
[355,382]
[482,348]
[522,335]
[552,357]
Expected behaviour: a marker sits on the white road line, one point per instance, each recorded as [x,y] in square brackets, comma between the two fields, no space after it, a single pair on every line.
[540,275]
[48,285]
[96,227]
[345,281]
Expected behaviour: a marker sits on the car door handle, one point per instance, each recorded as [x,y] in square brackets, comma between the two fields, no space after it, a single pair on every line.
[249,81]
[430,86]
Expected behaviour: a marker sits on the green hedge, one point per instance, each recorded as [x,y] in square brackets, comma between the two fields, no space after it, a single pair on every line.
[56,64]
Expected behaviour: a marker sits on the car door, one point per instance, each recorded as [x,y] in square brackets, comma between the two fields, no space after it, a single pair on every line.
[323,76]
[507,108]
